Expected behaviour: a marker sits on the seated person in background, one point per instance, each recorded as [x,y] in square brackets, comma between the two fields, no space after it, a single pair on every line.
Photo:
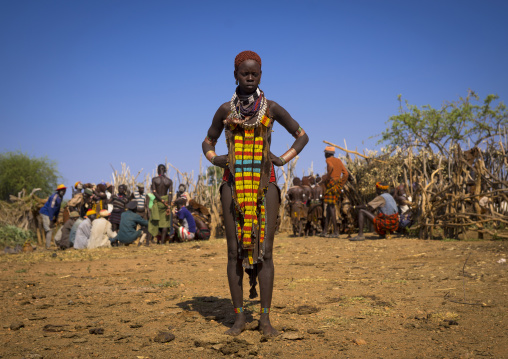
[101,231]
[182,192]
[405,208]
[387,219]
[202,217]
[128,223]
[187,228]
[74,230]
[64,241]
[202,230]
[84,230]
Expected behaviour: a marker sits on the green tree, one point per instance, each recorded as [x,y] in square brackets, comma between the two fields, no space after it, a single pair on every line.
[20,171]
[214,175]
[459,122]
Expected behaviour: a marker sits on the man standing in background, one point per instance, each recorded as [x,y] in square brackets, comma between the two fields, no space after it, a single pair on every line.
[49,212]
[334,180]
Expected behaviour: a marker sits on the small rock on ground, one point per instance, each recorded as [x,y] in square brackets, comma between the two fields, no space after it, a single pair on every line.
[359,341]
[17,326]
[292,336]
[96,331]
[54,328]
[164,337]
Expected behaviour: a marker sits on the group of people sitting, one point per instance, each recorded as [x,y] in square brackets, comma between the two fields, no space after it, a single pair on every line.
[96,216]
[319,205]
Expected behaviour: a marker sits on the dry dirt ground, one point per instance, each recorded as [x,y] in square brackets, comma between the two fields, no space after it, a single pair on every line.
[392,298]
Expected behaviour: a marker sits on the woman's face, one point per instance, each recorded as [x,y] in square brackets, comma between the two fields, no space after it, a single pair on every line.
[248,76]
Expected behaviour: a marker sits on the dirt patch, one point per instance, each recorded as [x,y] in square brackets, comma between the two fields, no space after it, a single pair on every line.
[396,298]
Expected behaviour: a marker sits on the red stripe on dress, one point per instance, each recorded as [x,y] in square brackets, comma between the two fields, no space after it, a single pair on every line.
[227,172]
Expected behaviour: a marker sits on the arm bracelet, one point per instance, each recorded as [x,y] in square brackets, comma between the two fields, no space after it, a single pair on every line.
[210,141]
[210,155]
[282,159]
[289,155]
[299,133]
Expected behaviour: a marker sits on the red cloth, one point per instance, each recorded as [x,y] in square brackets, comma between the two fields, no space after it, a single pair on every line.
[332,193]
[227,172]
[386,224]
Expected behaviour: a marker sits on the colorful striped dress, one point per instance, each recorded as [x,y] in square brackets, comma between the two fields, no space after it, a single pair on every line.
[250,166]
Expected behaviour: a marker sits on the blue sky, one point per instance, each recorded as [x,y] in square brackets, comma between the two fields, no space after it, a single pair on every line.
[92,84]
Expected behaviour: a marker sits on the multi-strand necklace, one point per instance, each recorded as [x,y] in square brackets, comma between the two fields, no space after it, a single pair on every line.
[243,110]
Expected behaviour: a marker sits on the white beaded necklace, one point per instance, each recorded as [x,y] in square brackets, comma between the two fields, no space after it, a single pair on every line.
[236,117]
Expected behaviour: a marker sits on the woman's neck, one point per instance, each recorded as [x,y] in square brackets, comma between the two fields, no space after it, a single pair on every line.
[244,95]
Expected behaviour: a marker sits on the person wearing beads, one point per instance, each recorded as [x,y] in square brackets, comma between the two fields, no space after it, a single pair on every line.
[334,180]
[249,194]
[387,219]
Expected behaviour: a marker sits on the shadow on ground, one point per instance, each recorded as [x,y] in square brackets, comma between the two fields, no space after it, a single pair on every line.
[214,308]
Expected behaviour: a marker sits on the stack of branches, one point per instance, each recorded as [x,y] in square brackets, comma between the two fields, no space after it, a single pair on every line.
[467,192]
[22,211]
[446,190]
[124,176]
[127,178]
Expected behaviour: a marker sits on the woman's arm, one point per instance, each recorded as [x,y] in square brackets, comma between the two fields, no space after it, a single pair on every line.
[213,135]
[280,115]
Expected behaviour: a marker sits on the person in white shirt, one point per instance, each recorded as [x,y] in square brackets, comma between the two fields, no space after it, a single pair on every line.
[84,230]
[101,231]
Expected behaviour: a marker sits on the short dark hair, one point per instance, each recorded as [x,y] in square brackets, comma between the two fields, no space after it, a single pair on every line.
[246,55]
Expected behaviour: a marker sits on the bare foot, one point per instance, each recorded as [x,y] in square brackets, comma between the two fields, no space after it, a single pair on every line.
[265,327]
[239,325]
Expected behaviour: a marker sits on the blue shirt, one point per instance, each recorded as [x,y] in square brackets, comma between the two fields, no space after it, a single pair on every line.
[390,207]
[184,213]
[52,206]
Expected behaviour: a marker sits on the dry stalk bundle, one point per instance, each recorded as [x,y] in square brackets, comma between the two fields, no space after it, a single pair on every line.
[447,191]
[23,212]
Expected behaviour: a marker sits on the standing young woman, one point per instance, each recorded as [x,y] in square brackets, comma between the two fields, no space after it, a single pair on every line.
[249,194]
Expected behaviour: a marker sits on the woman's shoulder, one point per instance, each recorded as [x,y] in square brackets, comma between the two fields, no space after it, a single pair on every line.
[274,106]
[225,107]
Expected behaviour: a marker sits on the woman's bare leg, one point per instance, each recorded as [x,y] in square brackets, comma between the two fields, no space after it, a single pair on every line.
[234,268]
[266,268]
